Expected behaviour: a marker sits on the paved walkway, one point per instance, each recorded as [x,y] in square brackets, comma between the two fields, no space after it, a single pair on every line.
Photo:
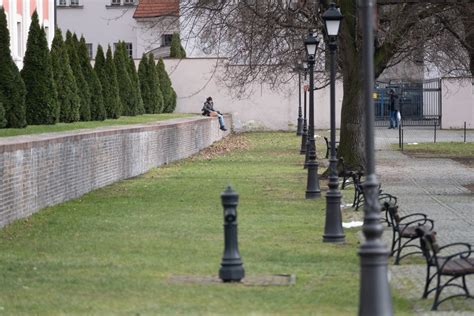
[434,187]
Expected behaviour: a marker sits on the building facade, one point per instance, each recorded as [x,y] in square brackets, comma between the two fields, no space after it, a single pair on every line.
[145,26]
[18,14]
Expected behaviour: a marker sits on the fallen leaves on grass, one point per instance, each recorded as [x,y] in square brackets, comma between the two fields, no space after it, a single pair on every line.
[232,143]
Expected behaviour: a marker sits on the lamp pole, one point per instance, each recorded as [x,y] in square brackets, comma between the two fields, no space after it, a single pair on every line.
[304,135]
[299,129]
[375,298]
[333,231]
[312,188]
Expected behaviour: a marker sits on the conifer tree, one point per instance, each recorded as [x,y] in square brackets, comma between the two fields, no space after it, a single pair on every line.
[69,101]
[169,100]
[12,87]
[113,103]
[105,82]
[97,107]
[3,121]
[155,89]
[176,49]
[72,44]
[145,85]
[41,96]
[132,70]
[124,81]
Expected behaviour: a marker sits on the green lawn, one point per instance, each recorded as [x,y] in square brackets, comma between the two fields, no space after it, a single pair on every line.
[114,250]
[61,127]
[444,149]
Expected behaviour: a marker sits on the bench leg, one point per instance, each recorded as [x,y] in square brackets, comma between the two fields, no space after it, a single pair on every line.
[399,251]
[464,285]
[438,292]
[427,282]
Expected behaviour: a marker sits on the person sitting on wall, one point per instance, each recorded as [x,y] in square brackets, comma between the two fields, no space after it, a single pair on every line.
[208,110]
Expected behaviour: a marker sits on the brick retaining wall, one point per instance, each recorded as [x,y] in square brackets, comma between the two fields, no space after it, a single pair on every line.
[41,170]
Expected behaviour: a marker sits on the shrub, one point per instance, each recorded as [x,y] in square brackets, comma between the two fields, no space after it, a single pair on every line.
[3,121]
[169,96]
[97,107]
[137,96]
[124,81]
[41,96]
[84,93]
[155,88]
[69,101]
[12,88]
[143,76]
[176,49]
[115,103]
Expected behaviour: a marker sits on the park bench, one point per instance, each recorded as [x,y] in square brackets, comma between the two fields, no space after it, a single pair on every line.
[328,146]
[348,173]
[359,198]
[453,261]
[405,231]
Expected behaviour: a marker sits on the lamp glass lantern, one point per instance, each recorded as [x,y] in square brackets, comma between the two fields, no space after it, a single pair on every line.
[311,43]
[332,19]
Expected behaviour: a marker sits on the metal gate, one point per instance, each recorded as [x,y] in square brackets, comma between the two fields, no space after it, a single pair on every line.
[420,103]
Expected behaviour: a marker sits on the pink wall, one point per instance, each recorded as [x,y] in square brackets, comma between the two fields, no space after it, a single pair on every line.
[45,9]
[32,6]
[5,5]
[19,7]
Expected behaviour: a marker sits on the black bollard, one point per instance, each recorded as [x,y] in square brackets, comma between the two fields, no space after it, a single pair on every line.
[232,269]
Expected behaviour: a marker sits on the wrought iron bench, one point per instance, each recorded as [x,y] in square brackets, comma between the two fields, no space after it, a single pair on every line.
[359,198]
[328,146]
[455,265]
[404,231]
[347,173]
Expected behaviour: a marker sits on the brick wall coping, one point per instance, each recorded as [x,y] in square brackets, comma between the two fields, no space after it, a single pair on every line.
[13,143]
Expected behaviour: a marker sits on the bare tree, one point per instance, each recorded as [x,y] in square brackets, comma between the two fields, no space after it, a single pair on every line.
[264,37]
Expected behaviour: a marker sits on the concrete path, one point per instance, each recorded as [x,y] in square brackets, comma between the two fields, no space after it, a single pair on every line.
[435,187]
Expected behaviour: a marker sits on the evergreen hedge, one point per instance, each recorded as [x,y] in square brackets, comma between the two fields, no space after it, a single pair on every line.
[169,96]
[176,49]
[108,83]
[124,81]
[3,121]
[72,46]
[115,100]
[41,96]
[97,107]
[69,101]
[155,88]
[143,76]
[137,96]
[12,88]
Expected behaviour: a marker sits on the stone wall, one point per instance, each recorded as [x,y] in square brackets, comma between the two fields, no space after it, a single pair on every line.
[42,170]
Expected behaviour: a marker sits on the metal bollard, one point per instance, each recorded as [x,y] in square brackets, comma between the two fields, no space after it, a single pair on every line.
[232,269]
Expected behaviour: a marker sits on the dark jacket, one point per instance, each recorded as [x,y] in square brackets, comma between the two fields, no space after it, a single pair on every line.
[394,102]
[208,108]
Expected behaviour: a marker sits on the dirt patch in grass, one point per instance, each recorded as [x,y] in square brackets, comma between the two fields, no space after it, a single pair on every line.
[470,187]
[467,161]
[232,143]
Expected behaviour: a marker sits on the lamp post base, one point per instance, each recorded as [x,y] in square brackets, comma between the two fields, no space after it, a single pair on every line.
[313,190]
[299,129]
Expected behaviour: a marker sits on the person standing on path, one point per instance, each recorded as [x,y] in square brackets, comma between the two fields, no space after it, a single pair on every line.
[394,107]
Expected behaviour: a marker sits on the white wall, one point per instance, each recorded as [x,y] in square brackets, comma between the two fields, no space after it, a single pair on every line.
[196,79]
[101,23]
[457,102]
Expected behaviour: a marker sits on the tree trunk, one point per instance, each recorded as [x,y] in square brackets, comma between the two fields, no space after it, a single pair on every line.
[352,131]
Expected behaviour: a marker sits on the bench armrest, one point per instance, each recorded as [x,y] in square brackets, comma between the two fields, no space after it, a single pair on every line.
[461,255]
[456,244]
[419,222]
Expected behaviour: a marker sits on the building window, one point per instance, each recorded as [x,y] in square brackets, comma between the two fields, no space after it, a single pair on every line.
[129,47]
[128,2]
[62,2]
[115,2]
[89,50]
[166,39]
[74,2]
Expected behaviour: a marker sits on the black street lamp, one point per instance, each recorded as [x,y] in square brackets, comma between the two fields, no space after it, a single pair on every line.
[312,189]
[375,298]
[333,231]
[304,135]
[299,129]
